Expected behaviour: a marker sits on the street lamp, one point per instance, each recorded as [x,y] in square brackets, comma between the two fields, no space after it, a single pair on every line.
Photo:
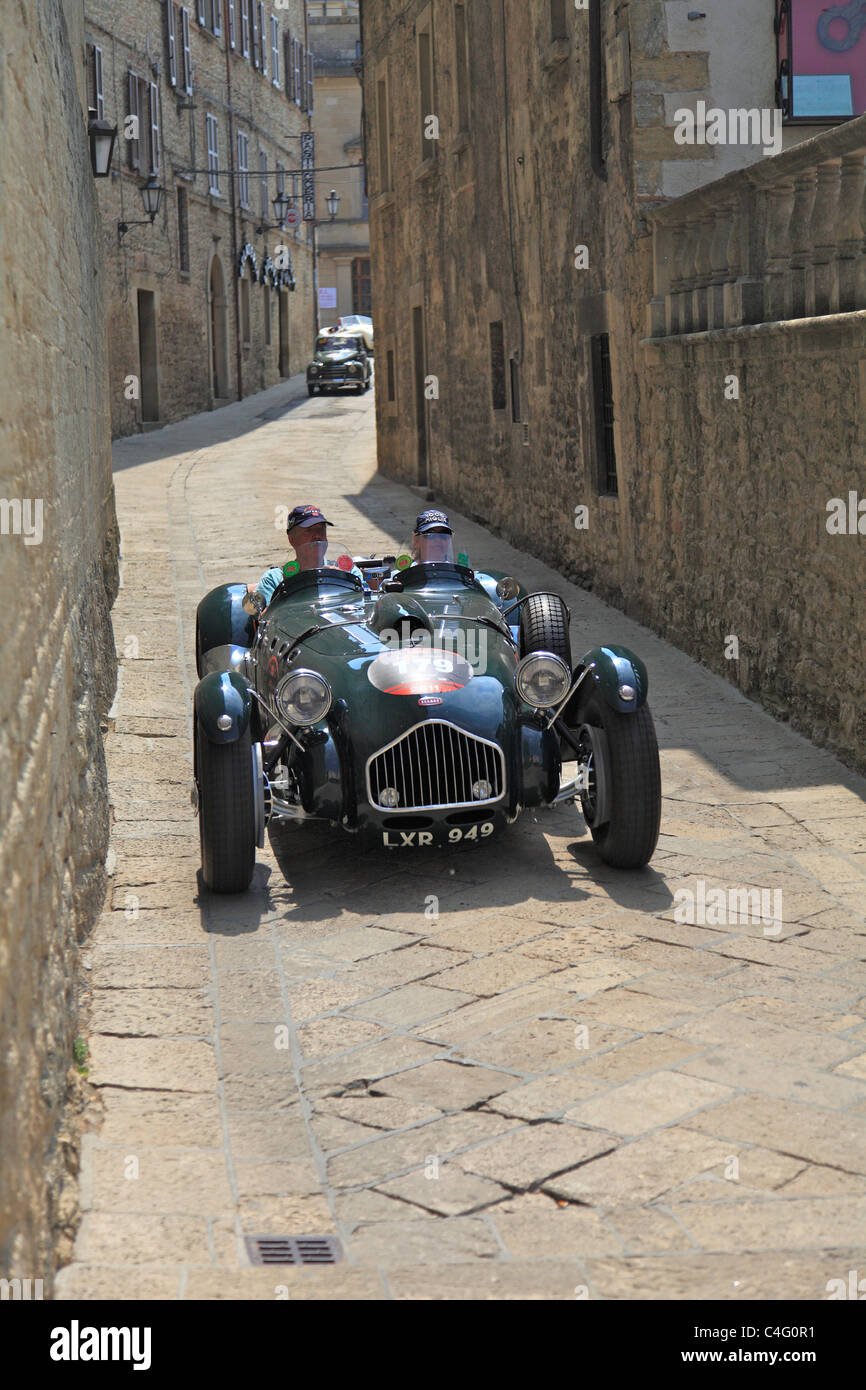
[281,207]
[333,203]
[102,135]
[151,197]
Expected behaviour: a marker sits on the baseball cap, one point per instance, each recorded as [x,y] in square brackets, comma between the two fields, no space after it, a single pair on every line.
[306,516]
[432,521]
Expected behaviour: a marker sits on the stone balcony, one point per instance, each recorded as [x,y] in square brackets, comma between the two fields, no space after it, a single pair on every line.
[782,239]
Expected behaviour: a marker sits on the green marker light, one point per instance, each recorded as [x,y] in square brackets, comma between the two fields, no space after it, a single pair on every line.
[289,568]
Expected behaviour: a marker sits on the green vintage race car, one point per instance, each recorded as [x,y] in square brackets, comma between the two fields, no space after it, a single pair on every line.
[424,708]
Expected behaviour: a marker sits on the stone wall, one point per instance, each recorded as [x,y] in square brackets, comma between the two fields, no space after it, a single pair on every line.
[58,671]
[717,524]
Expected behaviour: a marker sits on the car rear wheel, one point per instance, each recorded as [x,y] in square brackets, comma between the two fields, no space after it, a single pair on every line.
[226,810]
[544,627]
[621,800]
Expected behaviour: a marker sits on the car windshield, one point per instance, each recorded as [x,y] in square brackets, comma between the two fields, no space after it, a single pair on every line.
[344,344]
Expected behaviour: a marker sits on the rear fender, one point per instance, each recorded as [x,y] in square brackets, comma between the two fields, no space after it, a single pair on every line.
[609,668]
[221,695]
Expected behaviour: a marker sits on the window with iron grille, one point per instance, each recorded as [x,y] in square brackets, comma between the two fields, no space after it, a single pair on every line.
[216,17]
[213,154]
[154,129]
[602,391]
[96,91]
[183,229]
[392,378]
[597,92]
[263,182]
[243,169]
[245,27]
[275,50]
[821,60]
[497,366]
[199,11]
[233,31]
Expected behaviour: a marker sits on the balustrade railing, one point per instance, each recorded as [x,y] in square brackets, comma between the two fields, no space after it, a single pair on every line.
[782,239]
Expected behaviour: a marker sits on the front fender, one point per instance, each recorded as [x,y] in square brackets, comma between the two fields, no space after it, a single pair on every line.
[538,765]
[608,668]
[223,693]
[221,621]
[320,774]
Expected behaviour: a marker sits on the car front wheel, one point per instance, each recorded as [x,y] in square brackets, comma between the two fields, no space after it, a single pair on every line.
[226,809]
[621,795]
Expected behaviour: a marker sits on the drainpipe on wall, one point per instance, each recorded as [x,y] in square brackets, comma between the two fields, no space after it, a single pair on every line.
[234,267]
[315,242]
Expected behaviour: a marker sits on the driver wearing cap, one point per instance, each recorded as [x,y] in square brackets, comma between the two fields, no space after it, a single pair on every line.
[433,539]
[306,529]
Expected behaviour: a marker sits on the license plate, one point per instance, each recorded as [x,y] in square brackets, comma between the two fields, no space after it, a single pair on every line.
[402,839]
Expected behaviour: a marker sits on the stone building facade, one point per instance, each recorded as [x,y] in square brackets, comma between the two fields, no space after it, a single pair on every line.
[344,241]
[213,301]
[642,358]
[58,569]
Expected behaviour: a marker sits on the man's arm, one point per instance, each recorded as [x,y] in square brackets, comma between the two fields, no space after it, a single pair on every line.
[269,582]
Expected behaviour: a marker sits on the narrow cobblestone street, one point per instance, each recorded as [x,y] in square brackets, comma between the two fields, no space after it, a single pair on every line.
[551,1089]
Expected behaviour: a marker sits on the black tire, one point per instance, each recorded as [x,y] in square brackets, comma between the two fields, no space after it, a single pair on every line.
[311,390]
[544,627]
[226,813]
[367,384]
[629,836]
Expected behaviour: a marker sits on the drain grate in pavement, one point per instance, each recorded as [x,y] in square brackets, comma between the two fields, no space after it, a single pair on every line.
[293,1250]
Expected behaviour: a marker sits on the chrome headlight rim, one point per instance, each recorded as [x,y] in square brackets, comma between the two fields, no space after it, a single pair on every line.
[312,370]
[282,697]
[527,664]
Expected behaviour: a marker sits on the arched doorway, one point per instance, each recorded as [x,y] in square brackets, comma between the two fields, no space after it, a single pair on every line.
[218,331]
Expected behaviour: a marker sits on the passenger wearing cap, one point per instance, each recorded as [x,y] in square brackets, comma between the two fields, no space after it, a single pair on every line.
[306,529]
[433,539]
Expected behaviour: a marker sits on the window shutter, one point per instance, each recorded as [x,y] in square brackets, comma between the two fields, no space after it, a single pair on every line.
[232,28]
[296,67]
[97,83]
[154,128]
[263,37]
[255,28]
[310,80]
[134,145]
[171,21]
[287,59]
[187,51]
[199,11]
[217,6]
[275,51]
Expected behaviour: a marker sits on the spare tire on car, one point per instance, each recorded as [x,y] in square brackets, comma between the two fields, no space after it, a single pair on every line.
[544,624]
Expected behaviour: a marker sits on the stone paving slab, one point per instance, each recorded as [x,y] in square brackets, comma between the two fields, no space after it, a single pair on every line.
[558,1085]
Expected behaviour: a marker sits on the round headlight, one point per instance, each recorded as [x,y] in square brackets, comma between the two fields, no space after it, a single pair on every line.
[303,697]
[354,368]
[542,679]
[507,588]
[314,371]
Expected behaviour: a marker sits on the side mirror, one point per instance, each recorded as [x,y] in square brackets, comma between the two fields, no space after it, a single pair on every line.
[254,603]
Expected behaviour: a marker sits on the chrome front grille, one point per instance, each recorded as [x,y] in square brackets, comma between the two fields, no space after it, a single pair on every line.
[434,766]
